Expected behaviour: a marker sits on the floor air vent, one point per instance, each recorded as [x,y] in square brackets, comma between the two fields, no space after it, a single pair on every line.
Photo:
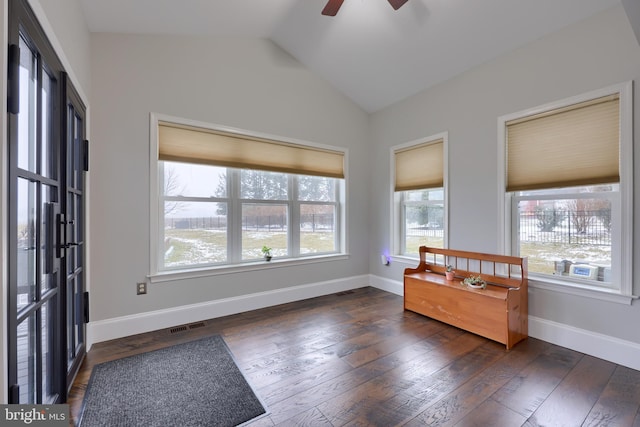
[186,327]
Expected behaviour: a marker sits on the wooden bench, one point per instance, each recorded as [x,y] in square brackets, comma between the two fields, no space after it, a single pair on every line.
[498,312]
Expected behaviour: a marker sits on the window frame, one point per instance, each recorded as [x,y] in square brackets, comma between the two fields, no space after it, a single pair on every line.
[233,264]
[622,230]
[397,225]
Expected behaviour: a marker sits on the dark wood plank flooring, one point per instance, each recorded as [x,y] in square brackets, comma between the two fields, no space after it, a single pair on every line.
[356,358]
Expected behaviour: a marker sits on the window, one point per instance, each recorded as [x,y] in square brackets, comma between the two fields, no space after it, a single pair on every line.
[568,191]
[422,213]
[218,206]
[419,195]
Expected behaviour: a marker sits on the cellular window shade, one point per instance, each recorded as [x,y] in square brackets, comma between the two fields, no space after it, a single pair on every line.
[420,167]
[573,146]
[198,145]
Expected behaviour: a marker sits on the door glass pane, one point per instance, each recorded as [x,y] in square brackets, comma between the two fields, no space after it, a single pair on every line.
[71,324]
[74,317]
[47,237]
[27,360]
[71,235]
[47,153]
[28,103]
[26,250]
[74,149]
[78,169]
[79,330]
[47,330]
[78,228]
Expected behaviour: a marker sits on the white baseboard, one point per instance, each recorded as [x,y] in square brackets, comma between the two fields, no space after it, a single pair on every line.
[625,353]
[103,330]
[393,286]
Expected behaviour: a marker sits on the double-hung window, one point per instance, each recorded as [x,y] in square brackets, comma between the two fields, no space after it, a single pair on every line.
[419,208]
[568,196]
[222,197]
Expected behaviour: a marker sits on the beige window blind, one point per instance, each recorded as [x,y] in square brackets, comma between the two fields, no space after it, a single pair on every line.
[573,146]
[198,145]
[420,166]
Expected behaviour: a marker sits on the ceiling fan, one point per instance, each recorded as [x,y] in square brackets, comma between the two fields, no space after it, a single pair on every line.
[333,6]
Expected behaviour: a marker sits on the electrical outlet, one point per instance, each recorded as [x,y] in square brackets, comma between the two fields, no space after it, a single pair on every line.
[141,288]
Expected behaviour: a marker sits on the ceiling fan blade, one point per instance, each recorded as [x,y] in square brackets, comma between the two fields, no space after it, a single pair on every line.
[332,7]
[397,4]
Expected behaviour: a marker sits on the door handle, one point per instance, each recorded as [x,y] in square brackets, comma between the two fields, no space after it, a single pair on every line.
[62,235]
[52,231]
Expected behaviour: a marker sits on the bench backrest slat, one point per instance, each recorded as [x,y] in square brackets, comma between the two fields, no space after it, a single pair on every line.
[504,270]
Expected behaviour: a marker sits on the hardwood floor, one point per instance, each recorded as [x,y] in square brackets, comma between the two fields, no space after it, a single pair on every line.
[356,358]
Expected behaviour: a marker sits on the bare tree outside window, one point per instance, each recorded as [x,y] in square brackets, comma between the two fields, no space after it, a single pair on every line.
[172,187]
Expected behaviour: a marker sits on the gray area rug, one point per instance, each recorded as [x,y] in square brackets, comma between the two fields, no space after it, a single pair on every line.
[191,384]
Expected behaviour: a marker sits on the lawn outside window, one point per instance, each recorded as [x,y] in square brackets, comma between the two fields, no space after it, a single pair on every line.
[422,224]
[567,192]
[211,216]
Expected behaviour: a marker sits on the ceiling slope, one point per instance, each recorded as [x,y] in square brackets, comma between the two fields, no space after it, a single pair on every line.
[372,53]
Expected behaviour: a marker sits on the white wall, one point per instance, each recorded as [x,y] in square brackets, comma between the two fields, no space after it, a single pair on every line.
[63,21]
[249,84]
[632,8]
[595,53]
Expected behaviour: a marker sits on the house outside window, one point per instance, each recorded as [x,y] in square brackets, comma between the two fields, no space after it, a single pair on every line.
[419,208]
[212,215]
[568,197]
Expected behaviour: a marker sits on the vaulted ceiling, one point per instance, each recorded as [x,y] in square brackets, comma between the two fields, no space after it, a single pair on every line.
[373,54]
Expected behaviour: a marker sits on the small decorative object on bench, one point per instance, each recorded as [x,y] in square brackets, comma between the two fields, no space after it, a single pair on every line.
[491,301]
[476,282]
[450,273]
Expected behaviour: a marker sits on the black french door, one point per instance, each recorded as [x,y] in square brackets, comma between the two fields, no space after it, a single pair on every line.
[73,239]
[45,121]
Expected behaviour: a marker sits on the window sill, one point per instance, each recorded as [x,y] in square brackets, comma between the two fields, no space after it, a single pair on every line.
[406,260]
[173,275]
[577,289]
